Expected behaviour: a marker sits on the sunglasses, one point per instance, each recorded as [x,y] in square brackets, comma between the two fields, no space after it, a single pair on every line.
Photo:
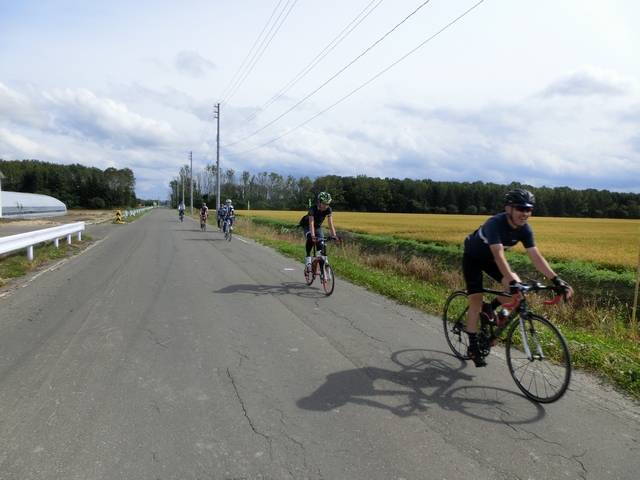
[524,209]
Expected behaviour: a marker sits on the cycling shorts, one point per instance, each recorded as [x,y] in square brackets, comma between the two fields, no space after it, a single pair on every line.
[472,269]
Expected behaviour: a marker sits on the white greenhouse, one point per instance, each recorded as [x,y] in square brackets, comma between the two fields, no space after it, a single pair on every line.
[29,205]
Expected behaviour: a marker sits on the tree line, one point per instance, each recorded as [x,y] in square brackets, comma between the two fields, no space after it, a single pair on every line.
[75,185]
[271,191]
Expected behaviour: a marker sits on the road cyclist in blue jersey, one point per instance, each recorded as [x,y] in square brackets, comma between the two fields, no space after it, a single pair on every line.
[228,217]
[484,252]
[312,223]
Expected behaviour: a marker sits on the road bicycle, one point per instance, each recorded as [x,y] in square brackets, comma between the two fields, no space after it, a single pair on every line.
[320,265]
[537,354]
[203,223]
[227,233]
[181,215]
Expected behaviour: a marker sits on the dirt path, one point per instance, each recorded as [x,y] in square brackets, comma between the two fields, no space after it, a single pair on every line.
[87,216]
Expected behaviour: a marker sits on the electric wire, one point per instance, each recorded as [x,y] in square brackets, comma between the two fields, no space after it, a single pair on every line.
[234,81]
[330,79]
[242,65]
[328,49]
[359,88]
[261,52]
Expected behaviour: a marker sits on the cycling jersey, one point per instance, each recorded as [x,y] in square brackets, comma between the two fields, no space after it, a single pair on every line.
[318,216]
[228,211]
[494,231]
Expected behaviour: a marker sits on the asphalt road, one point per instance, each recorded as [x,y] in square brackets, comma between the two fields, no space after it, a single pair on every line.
[163,352]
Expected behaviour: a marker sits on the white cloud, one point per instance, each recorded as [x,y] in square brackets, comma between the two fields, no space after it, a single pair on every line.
[590,80]
[80,113]
[545,92]
[18,108]
[17,146]
[192,64]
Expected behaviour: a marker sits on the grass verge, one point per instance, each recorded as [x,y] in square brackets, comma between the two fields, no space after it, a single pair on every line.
[16,264]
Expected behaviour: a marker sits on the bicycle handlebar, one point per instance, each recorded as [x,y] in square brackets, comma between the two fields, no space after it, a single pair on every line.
[322,239]
[534,286]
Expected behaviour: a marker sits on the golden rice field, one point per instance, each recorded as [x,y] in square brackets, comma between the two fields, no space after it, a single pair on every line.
[603,241]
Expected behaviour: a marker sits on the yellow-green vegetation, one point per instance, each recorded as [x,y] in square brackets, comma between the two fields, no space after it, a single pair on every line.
[606,242]
[599,335]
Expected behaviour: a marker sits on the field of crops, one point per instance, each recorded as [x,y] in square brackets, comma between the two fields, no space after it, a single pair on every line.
[607,242]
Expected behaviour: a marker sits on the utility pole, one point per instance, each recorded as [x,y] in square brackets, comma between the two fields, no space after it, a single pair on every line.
[191,179]
[217,115]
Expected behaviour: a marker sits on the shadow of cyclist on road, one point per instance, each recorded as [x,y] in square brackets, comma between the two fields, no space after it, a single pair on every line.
[424,379]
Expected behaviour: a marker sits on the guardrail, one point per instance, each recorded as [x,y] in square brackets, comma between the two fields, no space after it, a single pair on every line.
[30,239]
[131,213]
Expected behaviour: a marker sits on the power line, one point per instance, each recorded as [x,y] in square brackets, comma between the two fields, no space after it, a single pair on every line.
[328,49]
[261,52]
[332,78]
[360,87]
[233,82]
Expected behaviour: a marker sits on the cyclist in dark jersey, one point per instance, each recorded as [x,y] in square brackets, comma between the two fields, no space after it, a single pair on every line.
[312,223]
[484,252]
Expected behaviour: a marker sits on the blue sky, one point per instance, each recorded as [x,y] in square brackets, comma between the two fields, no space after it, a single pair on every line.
[545,92]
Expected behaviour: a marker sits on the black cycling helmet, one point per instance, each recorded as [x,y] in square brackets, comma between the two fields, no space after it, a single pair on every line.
[520,198]
[324,197]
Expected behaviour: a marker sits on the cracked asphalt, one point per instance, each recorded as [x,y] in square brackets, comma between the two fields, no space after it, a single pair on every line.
[165,352]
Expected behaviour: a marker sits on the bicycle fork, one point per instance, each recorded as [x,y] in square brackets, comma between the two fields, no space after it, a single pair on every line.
[319,265]
[525,341]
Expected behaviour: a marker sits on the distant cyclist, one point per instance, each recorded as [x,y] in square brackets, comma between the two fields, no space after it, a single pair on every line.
[312,223]
[228,217]
[219,216]
[204,213]
[181,209]
[484,252]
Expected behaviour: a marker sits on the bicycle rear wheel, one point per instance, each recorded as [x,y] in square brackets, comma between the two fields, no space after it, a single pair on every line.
[328,281]
[454,320]
[544,374]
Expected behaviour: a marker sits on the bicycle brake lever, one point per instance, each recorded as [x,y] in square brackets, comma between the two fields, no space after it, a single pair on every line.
[555,300]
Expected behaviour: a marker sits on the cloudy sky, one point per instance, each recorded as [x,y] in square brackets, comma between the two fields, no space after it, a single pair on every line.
[545,92]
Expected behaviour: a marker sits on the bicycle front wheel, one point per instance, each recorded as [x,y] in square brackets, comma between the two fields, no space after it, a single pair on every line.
[229,233]
[308,275]
[538,359]
[454,320]
[328,281]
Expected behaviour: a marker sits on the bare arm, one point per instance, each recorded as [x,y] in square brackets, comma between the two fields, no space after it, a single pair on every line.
[498,254]
[543,267]
[540,263]
[331,227]
[312,229]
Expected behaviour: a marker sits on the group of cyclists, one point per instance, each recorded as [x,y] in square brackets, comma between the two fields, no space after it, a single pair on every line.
[484,253]
[225,215]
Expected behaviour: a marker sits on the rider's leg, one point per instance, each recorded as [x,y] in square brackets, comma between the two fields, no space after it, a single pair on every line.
[308,247]
[309,244]
[473,272]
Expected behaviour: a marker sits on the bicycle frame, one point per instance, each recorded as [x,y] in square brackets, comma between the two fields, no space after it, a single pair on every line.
[537,354]
[320,266]
[319,257]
